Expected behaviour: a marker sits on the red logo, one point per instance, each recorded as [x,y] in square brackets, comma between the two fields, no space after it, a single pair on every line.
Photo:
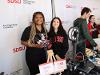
[69,6]
[19,49]
[14,1]
[61,63]
[59,39]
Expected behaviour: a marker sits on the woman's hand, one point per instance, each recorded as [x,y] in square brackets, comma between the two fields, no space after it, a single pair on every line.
[34,45]
[91,30]
[38,45]
[50,53]
[98,35]
[98,48]
[57,56]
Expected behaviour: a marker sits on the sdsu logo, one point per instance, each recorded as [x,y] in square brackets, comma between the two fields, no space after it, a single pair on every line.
[18,49]
[61,63]
[14,1]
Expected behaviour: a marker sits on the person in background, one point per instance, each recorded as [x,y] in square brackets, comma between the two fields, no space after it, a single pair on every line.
[35,53]
[92,27]
[92,30]
[58,38]
[81,24]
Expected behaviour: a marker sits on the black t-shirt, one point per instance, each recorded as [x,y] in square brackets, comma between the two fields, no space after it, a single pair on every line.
[34,56]
[26,35]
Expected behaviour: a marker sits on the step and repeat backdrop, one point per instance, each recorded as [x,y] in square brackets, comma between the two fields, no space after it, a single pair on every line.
[15,15]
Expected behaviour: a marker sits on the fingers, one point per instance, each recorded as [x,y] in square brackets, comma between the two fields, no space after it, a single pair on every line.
[50,53]
[98,48]
[58,58]
[38,46]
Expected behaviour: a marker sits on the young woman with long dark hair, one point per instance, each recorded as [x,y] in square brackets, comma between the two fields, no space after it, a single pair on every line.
[58,37]
[35,53]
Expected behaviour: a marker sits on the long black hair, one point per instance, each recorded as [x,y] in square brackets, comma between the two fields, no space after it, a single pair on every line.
[60,28]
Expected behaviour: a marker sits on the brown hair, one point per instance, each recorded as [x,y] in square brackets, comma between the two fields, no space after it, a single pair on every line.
[85,10]
[33,28]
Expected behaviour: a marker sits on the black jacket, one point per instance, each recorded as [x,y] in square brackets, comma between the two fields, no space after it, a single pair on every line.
[59,43]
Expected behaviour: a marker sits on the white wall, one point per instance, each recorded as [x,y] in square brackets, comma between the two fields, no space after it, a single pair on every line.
[14,17]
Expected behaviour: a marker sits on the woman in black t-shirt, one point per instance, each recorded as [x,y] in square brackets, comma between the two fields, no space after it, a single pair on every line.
[35,53]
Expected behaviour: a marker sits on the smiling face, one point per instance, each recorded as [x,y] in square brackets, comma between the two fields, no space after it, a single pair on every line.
[55,23]
[38,19]
[92,19]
